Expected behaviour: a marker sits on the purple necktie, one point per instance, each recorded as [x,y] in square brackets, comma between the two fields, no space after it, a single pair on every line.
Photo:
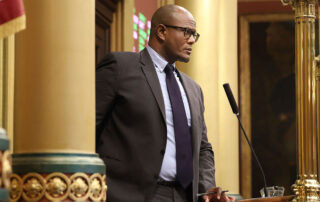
[181,130]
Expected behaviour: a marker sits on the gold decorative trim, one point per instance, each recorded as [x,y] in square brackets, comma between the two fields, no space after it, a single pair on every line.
[80,183]
[97,187]
[15,187]
[306,188]
[33,187]
[58,187]
[104,177]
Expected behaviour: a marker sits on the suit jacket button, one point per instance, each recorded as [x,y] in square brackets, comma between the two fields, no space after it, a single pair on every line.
[162,152]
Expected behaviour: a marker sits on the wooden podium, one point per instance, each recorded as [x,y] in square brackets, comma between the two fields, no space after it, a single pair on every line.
[269,199]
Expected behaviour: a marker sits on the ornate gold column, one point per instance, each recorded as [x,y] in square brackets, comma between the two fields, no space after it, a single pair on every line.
[306,186]
[6,112]
[54,122]
[317,79]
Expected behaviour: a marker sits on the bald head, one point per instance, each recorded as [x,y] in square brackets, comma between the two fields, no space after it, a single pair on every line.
[167,15]
[170,34]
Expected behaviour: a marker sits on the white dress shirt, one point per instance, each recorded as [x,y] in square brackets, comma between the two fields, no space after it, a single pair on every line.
[169,166]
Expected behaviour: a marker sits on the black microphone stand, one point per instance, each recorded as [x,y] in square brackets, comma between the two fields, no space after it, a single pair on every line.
[235,110]
[254,154]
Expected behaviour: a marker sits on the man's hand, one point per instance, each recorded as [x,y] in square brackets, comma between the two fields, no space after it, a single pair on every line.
[218,195]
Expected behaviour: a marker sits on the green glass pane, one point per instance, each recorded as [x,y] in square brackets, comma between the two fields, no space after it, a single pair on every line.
[141,47]
[142,17]
[143,34]
[142,41]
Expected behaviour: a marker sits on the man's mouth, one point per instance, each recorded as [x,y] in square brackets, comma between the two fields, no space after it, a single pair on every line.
[189,50]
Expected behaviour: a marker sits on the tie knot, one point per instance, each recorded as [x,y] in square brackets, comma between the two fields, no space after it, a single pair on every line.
[169,68]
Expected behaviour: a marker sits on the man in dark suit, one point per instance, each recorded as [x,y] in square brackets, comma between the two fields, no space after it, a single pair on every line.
[150,130]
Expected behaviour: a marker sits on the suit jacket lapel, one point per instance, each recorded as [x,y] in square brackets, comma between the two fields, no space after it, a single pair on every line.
[150,73]
[192,104]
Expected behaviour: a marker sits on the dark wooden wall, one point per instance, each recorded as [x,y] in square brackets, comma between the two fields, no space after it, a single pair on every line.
[272,122]
[262,6]
[104,13]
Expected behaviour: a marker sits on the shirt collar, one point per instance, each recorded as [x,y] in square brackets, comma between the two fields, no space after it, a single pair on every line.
[158,61]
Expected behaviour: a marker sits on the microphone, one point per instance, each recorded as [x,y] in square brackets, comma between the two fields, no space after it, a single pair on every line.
[231,99]
[235,110]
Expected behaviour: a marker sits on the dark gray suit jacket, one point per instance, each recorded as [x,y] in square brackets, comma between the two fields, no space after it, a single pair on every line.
[131,129]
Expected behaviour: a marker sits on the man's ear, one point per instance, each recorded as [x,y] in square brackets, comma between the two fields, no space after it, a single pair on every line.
[161,32]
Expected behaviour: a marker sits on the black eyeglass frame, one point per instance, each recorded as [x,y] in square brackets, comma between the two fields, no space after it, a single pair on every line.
[187,32]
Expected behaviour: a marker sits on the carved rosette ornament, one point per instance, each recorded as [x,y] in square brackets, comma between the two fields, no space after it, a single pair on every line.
[33,187]
[97,187]
[79,186]
[58,187]
[15,187]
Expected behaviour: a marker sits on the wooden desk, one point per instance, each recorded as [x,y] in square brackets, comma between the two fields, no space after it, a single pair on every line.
[269,199]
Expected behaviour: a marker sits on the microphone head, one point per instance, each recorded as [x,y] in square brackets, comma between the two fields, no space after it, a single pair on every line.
[231,99]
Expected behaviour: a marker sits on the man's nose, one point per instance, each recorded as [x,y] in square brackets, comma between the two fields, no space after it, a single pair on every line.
[191,39]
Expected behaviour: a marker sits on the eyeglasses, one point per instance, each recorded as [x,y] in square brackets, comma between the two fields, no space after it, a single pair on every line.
[187,32]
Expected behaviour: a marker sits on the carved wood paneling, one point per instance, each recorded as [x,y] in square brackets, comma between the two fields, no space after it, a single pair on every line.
[246,104]
[104,18]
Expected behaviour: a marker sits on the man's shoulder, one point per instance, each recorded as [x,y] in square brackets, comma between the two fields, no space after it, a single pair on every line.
[125,54]
[188,79]
[122,56]
[118,59]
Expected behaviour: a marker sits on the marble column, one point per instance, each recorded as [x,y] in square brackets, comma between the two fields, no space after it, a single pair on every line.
[54,113]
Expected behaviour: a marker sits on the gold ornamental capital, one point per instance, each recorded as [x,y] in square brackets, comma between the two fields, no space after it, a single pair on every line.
[287,2]
[293,3]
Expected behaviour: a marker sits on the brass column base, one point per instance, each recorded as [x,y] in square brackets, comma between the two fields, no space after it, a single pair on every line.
[58,187]
[5,166]
[306,190]
[57,177]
